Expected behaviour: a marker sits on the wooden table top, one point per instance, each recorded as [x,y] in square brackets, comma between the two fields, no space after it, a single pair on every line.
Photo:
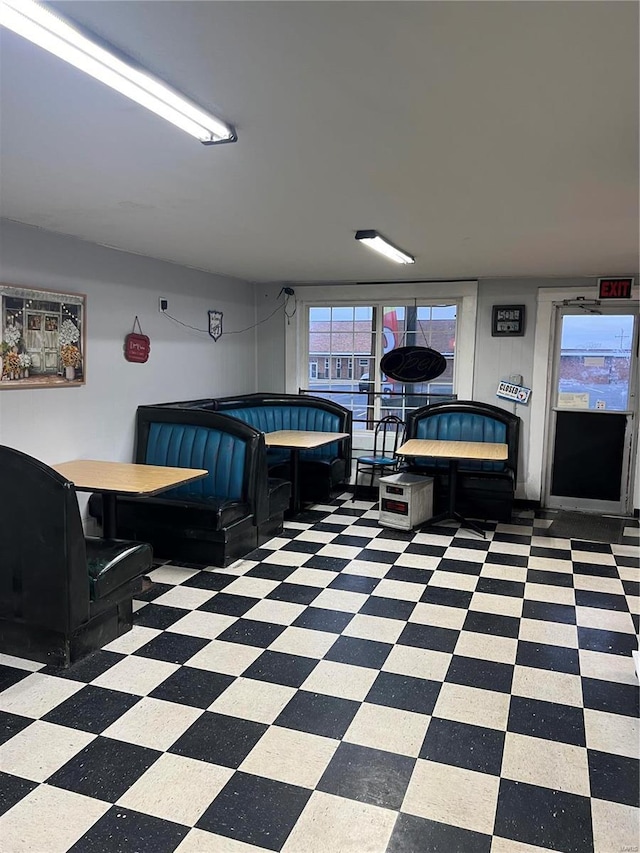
[125,477]
[484,450]
[301,438]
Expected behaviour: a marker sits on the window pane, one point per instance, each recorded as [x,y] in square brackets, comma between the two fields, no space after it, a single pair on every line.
[595,361]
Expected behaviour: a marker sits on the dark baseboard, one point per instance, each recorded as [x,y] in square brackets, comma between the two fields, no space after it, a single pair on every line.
[521,503]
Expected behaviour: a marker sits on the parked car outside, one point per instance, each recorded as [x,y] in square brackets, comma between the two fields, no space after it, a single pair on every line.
[365,385]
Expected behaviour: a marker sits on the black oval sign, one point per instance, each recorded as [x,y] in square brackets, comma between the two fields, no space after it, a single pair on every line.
[413,364]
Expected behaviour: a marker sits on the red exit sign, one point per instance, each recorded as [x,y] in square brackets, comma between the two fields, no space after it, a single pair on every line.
[615,288]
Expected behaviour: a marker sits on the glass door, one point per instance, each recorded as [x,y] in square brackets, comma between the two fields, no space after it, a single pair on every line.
[593,422]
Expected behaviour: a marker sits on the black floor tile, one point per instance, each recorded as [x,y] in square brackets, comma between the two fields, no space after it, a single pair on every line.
[210,580]
[280,668]
[228,605]
[191,686]
[404,692]
[251,632]
[602,600]
[428,637]
[390,608]
[270,572]
[493,586]
[513,538]
[543,817]
[350,541]
[627,561]
[471,747]
[259,554]
[171,647]
[219,739]
[614,778]
[10,675]
[301,546]
[409,575]
[460,567]
[12,790]
[548,720]
[610,697]
[255,811]
[328,564]
[368,775]
[498,558]
[11,724]
[372,555]
[124,831]
[594,547]
[328,716]
[104,769]
[474,544]
[550,553]
[543,656]
[485,674]
[154,591]
[547,612]
[564,579]
[447,597]
[610,642]
[631,587]
[353,650]
[88,668]
[426,550]
[396,535]
[158,616]
[333,621]
[492,623]
[92,709]
[595,570]
[327,527]
[294,593]
[354,583]
[417,835]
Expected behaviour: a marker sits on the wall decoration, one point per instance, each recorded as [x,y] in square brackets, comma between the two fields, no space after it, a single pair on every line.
[43,340]
[215,324]
[507,321]
[136,345]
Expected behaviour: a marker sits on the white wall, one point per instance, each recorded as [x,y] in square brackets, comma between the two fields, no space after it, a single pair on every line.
[97,420]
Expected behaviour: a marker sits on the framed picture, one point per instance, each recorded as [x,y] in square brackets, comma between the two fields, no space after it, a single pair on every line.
[42,338]
[507,321]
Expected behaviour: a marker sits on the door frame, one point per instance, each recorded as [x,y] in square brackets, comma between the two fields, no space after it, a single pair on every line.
[544,348]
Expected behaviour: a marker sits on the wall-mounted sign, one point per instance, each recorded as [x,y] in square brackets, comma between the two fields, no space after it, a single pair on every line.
[136,345]
[413,364]
[215,324]
[507,321]
[516,393]
[615,288]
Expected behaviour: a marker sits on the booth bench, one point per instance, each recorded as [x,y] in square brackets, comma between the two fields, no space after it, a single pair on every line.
[322,470]
[484,489]
[215,520]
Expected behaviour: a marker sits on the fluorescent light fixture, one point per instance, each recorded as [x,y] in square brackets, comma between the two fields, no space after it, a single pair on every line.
[36,23]
[380,244]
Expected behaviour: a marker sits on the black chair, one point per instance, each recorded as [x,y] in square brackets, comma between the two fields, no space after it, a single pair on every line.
[383,461]
[61,595]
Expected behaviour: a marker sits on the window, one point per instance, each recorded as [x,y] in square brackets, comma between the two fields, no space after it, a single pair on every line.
[344,336]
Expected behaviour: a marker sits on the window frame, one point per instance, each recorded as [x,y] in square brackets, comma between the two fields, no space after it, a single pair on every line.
[464,294]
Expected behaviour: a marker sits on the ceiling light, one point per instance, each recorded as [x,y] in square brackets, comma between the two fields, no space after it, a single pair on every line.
[380,244]
[37,24]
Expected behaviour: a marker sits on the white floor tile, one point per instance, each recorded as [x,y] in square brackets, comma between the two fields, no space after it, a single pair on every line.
[39,750]
[301,641]
[389,729]
[278,755]
[153,723]
[546,763]
[227,658]
[259,701]
[37,694]
[278,612]
[340,679]
[136,675]
[419,663]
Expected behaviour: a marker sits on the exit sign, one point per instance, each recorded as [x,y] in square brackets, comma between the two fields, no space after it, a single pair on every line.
[614,288]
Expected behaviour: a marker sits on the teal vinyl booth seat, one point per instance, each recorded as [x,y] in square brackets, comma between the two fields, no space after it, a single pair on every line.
[214,520]
[322,470]
[484,489]
[62,595]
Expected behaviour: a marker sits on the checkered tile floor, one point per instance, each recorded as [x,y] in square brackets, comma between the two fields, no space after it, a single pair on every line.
[348,688]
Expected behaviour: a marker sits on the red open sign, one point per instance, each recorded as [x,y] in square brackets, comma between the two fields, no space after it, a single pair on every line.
[136,345]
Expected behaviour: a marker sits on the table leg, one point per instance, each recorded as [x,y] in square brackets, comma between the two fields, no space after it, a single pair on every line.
[296,502]
[451,512]
[109,516]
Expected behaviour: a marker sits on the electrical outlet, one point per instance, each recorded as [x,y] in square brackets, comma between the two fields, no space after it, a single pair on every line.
[163,304]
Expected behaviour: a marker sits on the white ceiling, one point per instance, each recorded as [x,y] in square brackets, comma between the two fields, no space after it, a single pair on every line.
[486,138]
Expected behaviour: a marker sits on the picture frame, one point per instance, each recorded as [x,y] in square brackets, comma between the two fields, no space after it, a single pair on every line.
[507,321]
[42,338]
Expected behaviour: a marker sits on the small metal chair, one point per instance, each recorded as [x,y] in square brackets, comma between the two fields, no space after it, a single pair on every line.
[382,461]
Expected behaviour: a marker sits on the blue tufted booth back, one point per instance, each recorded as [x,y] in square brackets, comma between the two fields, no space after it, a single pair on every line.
[462,426]
[268,418]
[185,446]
